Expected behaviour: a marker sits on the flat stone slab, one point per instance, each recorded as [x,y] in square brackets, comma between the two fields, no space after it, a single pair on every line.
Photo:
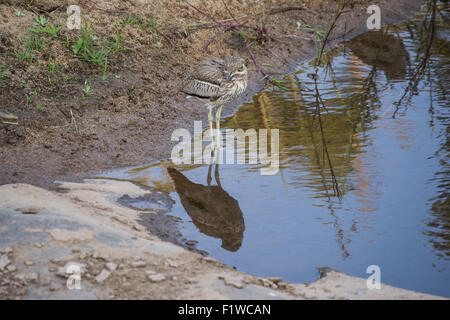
[82,244]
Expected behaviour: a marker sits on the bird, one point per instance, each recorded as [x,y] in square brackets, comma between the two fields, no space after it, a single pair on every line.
[217,82]
[212,210]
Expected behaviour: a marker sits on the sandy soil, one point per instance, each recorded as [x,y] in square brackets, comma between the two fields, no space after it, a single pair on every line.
[127,118]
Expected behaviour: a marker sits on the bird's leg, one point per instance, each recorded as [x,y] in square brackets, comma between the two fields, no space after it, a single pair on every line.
[218,137]
[208,178]
[211,132]
[216,175]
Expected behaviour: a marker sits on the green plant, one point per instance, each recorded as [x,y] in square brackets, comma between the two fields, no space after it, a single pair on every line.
[40,21]
[130,20]
[52,30]
[153,23]
[117,45]
[105,67]
[18,12]
[52,68]
[5,70]
[88,50]
[87,89]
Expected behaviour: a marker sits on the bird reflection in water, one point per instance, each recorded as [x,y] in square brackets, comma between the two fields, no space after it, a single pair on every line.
[213,211]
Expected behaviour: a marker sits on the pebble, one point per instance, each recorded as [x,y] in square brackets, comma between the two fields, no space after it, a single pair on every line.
[174,264]
[44,281]
[275,279]
[156,277]
[83,255]
[11,268]
[266,282]
[32,276]
[52,269]
[54,287]
[6,250]
[30,211]
[111,266]
[191,242]
[99,255]
[282,285]
[4,261]
[102,276]
[209,259]
[231,282]
[138,264]
[61,272]
[29,263]
[191,280]
[38,245]
[55,260]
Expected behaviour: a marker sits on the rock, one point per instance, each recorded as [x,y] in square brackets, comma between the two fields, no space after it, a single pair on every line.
[99,255]
[209,259]
[11,268]
[174,264]
[111,266]
[138,227]
[266,282]
[54,287]
[56,260]
[83,255]
[20,276]
[4,261]
[191,242]
[190,281]
[275,279]
[29,210]
[52,269]
[29,263]
[6,250]
[38,245]
[150,272]
[102,276]
[44,280]
[31,276]
[156,277]
[233,282]
[66,235]
[61,272]
[138,264]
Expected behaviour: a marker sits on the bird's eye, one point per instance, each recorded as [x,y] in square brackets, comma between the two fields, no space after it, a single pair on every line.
[241,68]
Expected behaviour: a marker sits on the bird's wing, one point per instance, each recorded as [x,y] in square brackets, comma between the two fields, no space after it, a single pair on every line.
[205,80]
[211,71]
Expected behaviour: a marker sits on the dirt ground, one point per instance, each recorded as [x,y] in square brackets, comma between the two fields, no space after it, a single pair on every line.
[76,117]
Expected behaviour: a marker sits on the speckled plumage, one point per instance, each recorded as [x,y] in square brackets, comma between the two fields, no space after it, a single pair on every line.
[219,81]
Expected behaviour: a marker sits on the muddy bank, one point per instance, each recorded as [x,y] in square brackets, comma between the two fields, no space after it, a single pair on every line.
[45,234]
[76,117]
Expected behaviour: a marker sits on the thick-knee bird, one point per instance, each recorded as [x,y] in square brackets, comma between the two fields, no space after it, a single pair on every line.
[217,82]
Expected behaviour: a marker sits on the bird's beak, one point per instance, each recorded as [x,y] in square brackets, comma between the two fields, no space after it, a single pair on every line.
[230,76]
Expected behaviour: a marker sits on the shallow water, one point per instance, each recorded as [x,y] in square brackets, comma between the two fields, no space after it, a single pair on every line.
[363,174]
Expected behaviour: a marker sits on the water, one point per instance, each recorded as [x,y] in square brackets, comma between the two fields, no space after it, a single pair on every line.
[364,175]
